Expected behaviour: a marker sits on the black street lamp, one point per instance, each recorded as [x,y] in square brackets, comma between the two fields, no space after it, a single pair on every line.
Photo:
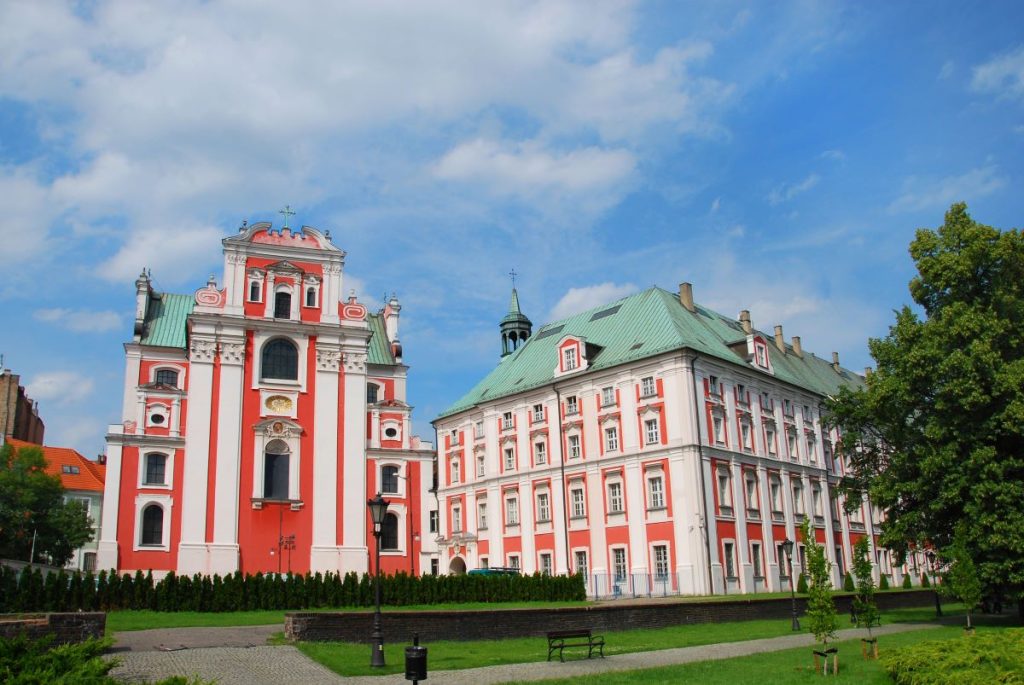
[378,508]
[787,548]
[931,563]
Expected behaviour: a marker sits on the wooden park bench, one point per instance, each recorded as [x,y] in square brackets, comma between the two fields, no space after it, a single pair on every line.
[560,639]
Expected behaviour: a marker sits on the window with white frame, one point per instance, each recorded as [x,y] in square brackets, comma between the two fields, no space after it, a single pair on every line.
[543,508]
[579,507]
[455,471]
[283,303]
[155,472]
[540,453]
[755,558]
[810,449]
[751,484]
[581,562]
[741,394]
[151,533]
[454,436]
[456,518]
[389,479]
[279,360]
[485,562]
[647,387]
[510,458]
[775,489]
[168,377]
[655,492]
[713,385]
[746,436]
[611,439]
[433,521]
[615,505]
[276,471]
[481,515]
[724,491]
[574,447]
[816,500]
[718,428]
[652,431]
[619,564]
[480,466]
[729,557]
[478,430]
[506,420]
[568,358]
[787,407]
[608,397]
[538,413]
[571,405]
[545,563]
[512,511]
[389,532]
[372,390]
[791,439]
[255,290]
[660,561]
[769,439]
[310,296]
[513,561]
[798,497]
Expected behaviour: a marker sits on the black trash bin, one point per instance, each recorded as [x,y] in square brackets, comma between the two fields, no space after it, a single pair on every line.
[416,661]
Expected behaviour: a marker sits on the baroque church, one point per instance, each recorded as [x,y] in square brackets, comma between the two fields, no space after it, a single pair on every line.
[258,417]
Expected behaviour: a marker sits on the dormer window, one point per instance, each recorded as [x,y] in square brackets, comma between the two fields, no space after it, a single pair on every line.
[569,361]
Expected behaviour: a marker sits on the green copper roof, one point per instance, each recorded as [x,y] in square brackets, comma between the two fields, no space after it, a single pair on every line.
[643,325]
[515,314]
[165,320]
[379,351]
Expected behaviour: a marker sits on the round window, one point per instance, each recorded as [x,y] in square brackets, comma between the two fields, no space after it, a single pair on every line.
[391,432]
[157,419]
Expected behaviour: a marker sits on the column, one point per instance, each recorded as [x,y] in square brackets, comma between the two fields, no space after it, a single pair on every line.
[353,458]
[192,551]
[325,552]
[224,547]
[107,553]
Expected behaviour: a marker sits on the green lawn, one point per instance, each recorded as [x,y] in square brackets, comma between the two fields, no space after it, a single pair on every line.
[776,668]
[351,659]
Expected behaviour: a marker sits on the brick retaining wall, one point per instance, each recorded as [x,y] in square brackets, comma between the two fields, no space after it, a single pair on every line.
[71,627]
[399,625]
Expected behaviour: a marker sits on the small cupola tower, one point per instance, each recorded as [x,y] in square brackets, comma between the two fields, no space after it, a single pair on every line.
[515,327]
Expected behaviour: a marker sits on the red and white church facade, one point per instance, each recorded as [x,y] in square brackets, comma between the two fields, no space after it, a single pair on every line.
[258,417]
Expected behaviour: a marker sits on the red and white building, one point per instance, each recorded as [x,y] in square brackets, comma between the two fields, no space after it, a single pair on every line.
[258,418]
[652,444]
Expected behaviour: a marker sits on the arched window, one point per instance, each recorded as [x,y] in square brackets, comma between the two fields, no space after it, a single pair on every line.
[280,360]
[371,393]
[152,525]
[156,470]
[282,305]
[167,377]
[310,297]
[275,470]
[389,479]
[389,532]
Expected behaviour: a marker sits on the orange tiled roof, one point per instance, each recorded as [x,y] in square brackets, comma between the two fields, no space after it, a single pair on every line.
[90,474]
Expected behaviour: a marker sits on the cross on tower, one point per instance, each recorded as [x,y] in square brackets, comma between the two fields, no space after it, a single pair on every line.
[513,274]
[287,211]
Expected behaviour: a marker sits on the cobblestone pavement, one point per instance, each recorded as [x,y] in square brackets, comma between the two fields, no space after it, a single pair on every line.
[285,665]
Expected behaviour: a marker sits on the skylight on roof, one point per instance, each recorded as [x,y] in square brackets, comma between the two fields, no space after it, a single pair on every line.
[548,332]
[606,312]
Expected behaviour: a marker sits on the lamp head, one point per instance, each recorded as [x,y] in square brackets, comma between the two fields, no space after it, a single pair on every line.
[378,508]
[787,546]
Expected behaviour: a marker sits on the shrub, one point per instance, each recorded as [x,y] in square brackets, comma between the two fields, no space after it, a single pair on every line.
[848,583]
[883,583]
[801,584]
[995,657]
[924,580]
[906,581]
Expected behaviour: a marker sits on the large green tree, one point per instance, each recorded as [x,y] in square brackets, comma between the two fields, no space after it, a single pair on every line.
[936,436]
[32,505]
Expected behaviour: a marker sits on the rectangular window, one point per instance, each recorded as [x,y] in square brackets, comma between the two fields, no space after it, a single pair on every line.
[810,449]
[540,453]
[510,459]
[619,563]
[538,413]
[816,500]
[608,397]
[545,564]
[647,388]
[655,493]
[480,466]
[741,394]
[579,509]
[275,476]
[513,561]
[433,520]
[506,420]
[787,407]
[611,439]
[751,482]
[156,469]
[481,515]
[713,385]
[746,436]
[792,445]
[581,562]
[724,492]
[729,559]
[456,519]
[574,447]
[543,508]
[653,432]
[571,406]
[755,557]
[661,562]
[512,511]
[769,438]
[478,430]
[455,470]
[615,498]
[485,562]
[569,358]
[719,429]
[798,498]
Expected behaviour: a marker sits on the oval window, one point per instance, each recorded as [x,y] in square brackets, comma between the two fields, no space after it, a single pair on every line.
[391,432]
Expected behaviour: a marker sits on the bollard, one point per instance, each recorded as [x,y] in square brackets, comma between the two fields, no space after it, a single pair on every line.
[415,661]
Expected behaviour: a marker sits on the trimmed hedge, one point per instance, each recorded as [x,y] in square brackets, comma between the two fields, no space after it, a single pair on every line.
[993,657]
[28,591]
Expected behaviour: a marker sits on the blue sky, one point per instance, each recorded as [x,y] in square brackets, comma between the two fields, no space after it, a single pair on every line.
[777,155]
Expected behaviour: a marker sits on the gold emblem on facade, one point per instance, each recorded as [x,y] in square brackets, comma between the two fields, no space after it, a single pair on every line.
[279,404]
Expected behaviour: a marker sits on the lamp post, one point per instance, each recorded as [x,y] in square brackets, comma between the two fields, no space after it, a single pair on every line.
[378,508]
[787,547]
[931,563]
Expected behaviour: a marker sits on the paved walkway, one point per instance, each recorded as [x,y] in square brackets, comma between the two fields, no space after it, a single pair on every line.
[146,657]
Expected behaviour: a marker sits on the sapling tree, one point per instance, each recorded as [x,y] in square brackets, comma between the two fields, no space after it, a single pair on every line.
[821,610]
[865,610]
[961,577]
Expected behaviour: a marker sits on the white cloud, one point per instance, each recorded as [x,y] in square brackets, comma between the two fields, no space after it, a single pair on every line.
[1002,76]
[922,194]
[578,300]
[787,191]
[65,387]
[716,204]
[525,168]
[174,254]
[834,155]
[81,321]
[947,70]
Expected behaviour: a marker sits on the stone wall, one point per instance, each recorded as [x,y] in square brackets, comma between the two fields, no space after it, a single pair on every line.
[71,627]
[399,626]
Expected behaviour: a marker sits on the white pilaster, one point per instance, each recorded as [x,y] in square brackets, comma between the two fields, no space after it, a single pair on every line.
[107,553]
[353,534]
[325,553]
[192,552]
[224,550]
[133,362]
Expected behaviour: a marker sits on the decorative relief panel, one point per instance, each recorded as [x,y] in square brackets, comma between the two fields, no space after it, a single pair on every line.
[328,359]
[232,352]
[355,362]
[202,350]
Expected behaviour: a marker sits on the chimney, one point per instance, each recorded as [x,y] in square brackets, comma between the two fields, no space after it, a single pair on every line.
[745,321]
[835,361]
[780,342]
[686,296]
[797,349]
